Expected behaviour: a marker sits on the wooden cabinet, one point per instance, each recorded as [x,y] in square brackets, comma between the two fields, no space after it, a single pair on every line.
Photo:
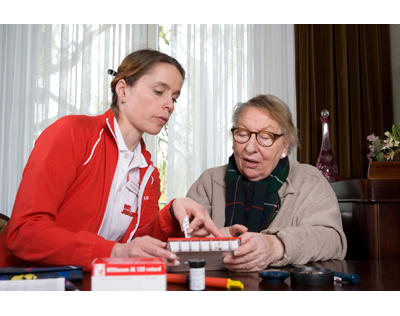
[371,217]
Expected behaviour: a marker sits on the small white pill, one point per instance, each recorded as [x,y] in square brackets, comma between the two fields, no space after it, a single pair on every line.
[234,244]
[205,245]
[184,245]
[194,246]
[174,246]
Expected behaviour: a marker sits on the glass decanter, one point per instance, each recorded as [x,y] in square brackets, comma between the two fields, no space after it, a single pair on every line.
[326,162]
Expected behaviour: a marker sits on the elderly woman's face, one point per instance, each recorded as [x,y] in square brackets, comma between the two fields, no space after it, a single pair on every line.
[254,161]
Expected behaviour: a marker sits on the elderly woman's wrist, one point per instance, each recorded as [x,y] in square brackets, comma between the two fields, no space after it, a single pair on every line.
[276,247]
[280,248]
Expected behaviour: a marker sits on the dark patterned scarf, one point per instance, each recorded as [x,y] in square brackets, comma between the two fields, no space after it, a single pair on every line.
[253,204]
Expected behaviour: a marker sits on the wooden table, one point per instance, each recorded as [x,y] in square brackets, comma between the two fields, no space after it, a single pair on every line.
[374,276]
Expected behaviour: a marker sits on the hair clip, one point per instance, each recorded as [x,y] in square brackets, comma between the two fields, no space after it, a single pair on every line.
[111,72]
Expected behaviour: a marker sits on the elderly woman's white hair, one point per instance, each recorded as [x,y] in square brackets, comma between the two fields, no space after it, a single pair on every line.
[277,109]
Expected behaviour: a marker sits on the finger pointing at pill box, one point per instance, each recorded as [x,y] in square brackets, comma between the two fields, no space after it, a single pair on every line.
[200,222]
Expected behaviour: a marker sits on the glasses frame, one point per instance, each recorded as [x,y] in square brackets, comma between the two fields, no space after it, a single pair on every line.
[274,136]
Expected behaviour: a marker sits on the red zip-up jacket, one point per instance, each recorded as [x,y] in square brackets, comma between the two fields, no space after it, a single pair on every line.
[63,196]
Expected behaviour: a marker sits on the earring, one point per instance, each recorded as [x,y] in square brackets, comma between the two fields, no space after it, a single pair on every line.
[283,155]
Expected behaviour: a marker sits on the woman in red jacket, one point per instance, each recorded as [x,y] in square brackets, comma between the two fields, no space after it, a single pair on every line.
[90,189]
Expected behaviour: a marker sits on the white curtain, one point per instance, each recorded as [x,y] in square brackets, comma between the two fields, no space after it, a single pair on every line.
[48,71]
[225,64]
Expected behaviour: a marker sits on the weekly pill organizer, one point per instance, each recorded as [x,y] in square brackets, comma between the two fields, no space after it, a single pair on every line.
[211,249]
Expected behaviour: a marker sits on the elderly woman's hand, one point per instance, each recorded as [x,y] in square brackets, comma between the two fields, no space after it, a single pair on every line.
[255,253]
[232,231]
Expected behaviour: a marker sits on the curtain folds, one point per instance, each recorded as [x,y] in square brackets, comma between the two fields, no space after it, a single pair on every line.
[345,69]
[48,71]
[225,64]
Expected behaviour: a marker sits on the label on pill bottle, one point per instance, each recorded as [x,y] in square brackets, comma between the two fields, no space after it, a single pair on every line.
[197,279]
[197,273]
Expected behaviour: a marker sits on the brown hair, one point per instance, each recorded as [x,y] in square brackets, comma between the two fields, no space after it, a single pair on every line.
[137,64]
[278,110]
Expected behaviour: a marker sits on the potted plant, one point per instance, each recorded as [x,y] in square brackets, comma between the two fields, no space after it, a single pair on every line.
[384,155]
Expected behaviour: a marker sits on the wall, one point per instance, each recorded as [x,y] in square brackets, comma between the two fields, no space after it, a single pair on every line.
[395,52]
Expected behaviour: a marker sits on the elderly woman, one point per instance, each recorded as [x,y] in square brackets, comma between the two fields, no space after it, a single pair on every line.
[284,211]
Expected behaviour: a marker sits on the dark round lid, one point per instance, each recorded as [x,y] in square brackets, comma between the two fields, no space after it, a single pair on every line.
[311,276]
[274,276]
[197,263]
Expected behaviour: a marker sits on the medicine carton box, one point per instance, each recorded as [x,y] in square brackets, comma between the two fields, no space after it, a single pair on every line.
[211,249]
[109,274]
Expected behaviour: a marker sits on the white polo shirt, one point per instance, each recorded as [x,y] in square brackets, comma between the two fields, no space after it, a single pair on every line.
[122,205]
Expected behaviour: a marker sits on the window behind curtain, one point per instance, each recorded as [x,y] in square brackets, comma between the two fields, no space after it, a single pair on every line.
[225,64]
[48,71]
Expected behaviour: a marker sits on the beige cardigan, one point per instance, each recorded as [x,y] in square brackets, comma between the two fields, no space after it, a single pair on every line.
[308,222]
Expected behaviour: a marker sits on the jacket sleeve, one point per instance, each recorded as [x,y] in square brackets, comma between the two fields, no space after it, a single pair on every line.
[199,191]
[316,231]
[210,192]
[308,223]
[163,226]
[34,234]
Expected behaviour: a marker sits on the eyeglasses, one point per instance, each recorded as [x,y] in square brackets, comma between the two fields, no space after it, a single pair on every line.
[264,138]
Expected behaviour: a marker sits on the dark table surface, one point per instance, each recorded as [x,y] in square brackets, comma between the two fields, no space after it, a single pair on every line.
[374,276]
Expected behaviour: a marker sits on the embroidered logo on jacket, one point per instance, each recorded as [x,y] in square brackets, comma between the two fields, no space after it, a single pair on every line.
[127,211]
